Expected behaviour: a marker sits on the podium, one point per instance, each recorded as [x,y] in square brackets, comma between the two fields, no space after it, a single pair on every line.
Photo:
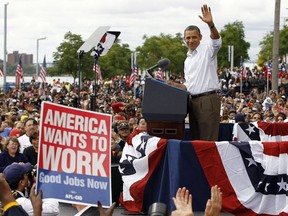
[164,108]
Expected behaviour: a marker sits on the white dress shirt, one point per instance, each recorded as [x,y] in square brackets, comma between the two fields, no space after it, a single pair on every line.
[200,68]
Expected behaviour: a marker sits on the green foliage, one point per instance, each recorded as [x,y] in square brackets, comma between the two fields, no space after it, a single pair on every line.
[283,45]
[266,45]
[266,48]
[66,59]
[233,34]
[116,61]
[11,69]
[163,46]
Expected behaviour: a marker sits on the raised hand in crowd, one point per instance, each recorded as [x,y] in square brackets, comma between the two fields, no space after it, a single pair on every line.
[107,212]
[183,203]
[5,192]
[214,204]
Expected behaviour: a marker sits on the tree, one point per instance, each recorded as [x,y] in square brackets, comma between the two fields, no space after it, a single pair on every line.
[116,61]
[266,48]
[28,69]
[163,46]
[267,45]
[66,58]
[283,49]
[233,34]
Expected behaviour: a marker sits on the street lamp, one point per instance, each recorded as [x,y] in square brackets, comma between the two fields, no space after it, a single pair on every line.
[5,46]
[37,64]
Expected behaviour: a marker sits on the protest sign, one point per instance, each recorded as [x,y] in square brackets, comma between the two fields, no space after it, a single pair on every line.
[74,155]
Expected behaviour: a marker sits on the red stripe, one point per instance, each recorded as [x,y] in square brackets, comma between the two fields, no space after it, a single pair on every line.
[133,77]
[275,148]
[19,71]
[137,189]
[215,173]
[277,128]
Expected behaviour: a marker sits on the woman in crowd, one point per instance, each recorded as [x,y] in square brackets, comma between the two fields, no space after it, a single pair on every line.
[279,107]
[280,117]
[11,153]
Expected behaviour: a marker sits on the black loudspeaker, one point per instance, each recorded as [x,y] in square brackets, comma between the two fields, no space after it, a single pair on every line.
[75,102]
[164,108]
[93,103]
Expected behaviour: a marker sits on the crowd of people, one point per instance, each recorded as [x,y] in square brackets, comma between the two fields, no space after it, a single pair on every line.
[21,112]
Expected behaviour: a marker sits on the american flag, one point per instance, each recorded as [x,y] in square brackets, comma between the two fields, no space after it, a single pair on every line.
[252,175]
[160,74]
[245,132]
[19,70]
[43,70]
[269,69]
[133,76]
[96,69]
[1,73]
[262,131]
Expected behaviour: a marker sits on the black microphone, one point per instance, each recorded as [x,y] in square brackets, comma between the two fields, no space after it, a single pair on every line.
[162,63]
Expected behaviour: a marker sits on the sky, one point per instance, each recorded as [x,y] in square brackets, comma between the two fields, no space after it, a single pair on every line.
[29,20]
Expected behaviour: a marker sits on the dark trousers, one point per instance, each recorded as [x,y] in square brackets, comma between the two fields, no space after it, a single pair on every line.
[204,117]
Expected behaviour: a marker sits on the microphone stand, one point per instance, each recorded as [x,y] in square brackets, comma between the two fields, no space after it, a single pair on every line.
[96,56]
[80,56]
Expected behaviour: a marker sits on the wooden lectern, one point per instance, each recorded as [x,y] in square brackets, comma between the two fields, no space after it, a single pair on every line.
[164,108]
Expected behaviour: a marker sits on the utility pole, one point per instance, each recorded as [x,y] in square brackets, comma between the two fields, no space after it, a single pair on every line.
[231,56]
[275,63]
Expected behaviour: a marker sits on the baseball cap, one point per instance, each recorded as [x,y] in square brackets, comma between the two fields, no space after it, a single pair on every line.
[23,117]
[15,132]
[239,118]
[15,172]
[122,126]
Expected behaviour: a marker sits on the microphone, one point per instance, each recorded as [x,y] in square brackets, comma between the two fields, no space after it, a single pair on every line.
[162,63]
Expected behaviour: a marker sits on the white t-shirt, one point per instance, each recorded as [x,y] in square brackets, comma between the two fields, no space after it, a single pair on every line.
[50,207]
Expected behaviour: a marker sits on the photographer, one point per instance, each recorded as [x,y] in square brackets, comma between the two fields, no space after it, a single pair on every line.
[17,176]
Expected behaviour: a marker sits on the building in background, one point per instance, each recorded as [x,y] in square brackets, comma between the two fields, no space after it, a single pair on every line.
[13,58]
